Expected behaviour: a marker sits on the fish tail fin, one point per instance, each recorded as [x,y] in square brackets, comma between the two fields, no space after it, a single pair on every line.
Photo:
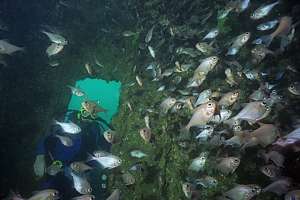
[90,157]
[54,121]
[266,40]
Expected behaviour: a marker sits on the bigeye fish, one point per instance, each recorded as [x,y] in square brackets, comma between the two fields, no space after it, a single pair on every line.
[80,167]
[206,65]
[81,183]
[228,99]
[223,115]
[105,159]
[65,140]
[227,165]
[7,48]
[151,51]
[267,25]
[145,134]
[230,77]
[129,33]
[45,195]
[205,133]
[149,35]
[265,135]
[259,52]
[259,95]
[199,162]
[205,48]
[128,178]
[76,91]
[270,171]
[211,34]
[89,69]
[187,189]
[238,43]
[263,11]
[289,139]
[203,97]
[243,192]
[69,127]
[280,186]
[166,104]
[54,49]
[252,112]
[202,114]
[137,154]
[274,156]
[207,182]
[294,88]
[110,136]
[54,169]
[282,30]
[242,5]
[56,38]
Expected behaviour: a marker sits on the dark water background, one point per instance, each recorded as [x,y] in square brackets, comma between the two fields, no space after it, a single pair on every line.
[32,92]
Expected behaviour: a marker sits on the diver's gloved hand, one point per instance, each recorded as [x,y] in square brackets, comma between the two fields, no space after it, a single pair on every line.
[39,166]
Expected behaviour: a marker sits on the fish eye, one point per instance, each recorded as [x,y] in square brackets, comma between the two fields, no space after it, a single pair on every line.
[236,160]
[292,86]
[89,190]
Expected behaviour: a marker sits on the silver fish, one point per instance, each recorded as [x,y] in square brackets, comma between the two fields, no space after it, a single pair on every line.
[222,116]
[280,186]
[243,5]
[149,35]
[267,25]
[76,91]
[203,97]
[167,104]
[54,49]
[56,38]
[199,162]
[81,184]
[211,34]
[137,154]
[68,142]
[152,52]
[238,43]
[69,127]
[105,159]
[45,195]
[7,48]
[253,112]
[207,182]
[263,11]
[205,134]
[243,192]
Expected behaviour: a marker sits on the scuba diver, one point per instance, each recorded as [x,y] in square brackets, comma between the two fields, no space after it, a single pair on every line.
[60,148]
